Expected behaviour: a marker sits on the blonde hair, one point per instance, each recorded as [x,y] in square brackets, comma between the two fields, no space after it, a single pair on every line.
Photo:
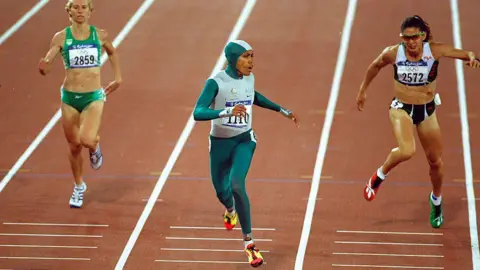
[69,4]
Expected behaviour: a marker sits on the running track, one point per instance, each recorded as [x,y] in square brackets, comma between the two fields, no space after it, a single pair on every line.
[166,58]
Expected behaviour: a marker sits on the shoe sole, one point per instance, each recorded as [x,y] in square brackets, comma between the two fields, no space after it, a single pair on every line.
[257,262]
[100,163]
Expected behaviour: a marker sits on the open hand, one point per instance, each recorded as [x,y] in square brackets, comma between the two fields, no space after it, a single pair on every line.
[474,63]
[294,117]
[290,115]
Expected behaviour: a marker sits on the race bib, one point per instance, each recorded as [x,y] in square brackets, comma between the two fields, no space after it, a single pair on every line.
[237,121]
[83,57]
[412,74]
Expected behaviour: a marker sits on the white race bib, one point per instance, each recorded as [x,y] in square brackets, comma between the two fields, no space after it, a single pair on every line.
[237,121]
[412,74]
[83,57]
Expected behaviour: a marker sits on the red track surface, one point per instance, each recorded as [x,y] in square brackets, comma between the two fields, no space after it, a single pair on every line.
[165,60]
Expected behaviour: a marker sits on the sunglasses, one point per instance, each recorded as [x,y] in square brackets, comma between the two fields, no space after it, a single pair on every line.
[415,36]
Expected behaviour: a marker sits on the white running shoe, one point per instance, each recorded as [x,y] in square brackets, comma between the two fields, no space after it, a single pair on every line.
[76,201]
[96,158]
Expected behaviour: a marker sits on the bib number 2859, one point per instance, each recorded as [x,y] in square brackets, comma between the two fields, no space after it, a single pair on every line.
[84,57]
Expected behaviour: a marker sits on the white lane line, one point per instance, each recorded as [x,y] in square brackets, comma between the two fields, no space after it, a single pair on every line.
[53,224]
[185,261]
[467,157]
[387,254]
[217,228]
[50,235]
[387,266]
[44,246]
[379,232]
[247,9]
[14,28]
[208,250]
[45,258]
[332,102]
[388,243]
[214,239]
[116,42]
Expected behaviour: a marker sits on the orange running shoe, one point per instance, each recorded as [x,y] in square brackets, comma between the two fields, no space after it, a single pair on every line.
[371,188]
[254,257]
[229,220]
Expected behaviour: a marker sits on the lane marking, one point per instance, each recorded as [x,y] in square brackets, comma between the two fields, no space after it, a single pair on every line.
[50,235]
[388,255]
[466,199]
[46,258]
[14,28]
[218,228]
[116,42]
[146,200]
[332,102]
[171,173]
[54,224]
[458,180]
[387,266]
[185,261]
[214,239]
[388,243]
[44,246]
[21,170]
[208,250]
[399,233]
[311,176]
[247,9]
[467,156]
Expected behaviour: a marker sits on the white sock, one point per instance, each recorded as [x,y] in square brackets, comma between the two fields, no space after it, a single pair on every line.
[231,214]
[81,186]
[435,200]
[246,243]
[380,174]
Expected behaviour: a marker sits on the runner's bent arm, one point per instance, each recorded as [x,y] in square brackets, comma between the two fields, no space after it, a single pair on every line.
[202,110]
[380,62]
[112,55]
[451,52]
[446,50]
[55,48]
[261,101]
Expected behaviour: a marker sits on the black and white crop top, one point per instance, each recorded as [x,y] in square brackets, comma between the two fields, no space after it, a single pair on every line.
[418,73]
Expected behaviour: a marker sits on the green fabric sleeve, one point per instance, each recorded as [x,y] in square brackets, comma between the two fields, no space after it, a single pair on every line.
[261,101]
[202,111]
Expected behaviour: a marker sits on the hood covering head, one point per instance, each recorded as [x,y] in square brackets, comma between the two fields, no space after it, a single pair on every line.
[233,50]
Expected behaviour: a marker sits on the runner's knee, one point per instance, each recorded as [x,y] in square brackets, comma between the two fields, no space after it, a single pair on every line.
[225,197]
[89,141]
[237,188]
[435,162]
[75,148]
[406,152]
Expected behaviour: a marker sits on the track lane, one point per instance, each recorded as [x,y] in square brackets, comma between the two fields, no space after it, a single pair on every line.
[402,203]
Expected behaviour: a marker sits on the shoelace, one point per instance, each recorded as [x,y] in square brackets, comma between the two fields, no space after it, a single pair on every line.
[94,157]
[77,193]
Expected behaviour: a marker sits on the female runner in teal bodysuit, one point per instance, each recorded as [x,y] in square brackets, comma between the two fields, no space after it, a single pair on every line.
[227,101]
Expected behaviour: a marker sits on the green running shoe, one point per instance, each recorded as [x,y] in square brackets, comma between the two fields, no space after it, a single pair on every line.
[436,214]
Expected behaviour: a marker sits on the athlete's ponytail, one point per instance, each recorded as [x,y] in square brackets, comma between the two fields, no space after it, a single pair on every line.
[417,21]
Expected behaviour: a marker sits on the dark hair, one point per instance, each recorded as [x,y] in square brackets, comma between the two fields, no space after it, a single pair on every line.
[416,21]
